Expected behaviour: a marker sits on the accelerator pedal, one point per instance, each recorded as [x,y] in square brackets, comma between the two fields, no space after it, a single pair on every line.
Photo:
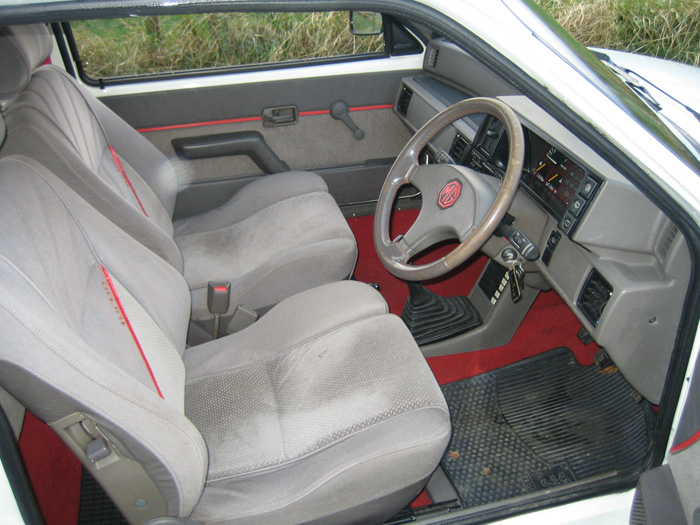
[432,318]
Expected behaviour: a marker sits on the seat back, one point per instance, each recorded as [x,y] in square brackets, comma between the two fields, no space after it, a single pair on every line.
[92,329]
[53,119]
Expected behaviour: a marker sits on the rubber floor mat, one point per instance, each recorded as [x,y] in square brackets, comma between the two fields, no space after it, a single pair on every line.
[539,423]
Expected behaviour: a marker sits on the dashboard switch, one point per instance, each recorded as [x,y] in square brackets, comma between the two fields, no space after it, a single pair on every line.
[520,242]
[566,224]
[552,243]
[576,206]
[588,188]
[553,240]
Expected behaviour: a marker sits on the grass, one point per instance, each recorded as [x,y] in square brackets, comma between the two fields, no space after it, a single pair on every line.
[667,29]
[111,48]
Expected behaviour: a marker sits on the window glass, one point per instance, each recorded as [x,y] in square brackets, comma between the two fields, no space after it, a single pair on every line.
[166,44]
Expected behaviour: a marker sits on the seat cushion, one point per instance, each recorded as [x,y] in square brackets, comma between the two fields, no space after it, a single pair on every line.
[295,320]
[271,246]
[352,405]
[259,194]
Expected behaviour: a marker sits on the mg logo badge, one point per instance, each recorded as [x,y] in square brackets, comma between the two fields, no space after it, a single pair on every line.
[449,194]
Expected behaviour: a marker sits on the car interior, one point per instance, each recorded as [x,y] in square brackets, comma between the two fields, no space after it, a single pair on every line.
[377,297]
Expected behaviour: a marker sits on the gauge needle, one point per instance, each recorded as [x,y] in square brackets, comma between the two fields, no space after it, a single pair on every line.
[542,166]
[553,177]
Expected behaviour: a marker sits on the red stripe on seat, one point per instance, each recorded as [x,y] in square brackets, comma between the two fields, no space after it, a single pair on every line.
[682,446]
[131,329]
[118,164]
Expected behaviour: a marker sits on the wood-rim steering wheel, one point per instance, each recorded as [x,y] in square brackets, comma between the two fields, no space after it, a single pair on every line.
[458,202]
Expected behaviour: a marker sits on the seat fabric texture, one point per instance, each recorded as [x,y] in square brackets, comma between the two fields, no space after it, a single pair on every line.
[280,235]
[325,409]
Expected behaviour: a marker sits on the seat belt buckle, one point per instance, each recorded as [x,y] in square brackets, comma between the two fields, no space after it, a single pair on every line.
[218,300]
[218,297]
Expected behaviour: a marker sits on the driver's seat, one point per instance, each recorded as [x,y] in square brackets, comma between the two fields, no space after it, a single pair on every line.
[323,411]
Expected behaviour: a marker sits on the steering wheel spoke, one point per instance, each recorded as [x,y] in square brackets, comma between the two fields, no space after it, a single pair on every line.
[457,201]
[403,170]
[423,234]
[399,250]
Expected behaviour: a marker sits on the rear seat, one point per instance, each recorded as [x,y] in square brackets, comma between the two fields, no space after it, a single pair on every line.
[278,236]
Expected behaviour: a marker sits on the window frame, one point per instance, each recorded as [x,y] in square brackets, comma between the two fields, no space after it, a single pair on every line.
[69,49]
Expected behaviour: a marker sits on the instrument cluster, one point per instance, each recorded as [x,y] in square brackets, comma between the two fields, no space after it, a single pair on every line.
[563,186]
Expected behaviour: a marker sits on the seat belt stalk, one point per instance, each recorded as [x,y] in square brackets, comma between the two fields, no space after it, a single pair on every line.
[242,318]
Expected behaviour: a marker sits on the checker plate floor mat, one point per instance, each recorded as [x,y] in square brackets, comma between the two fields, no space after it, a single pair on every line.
[95,504]
[539,423]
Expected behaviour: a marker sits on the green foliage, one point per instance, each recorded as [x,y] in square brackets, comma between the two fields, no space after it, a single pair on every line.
[662,28]
[133,46]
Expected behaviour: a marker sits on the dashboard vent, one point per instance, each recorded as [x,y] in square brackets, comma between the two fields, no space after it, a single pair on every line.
[433,55]
[459,149]
[595,295]
[404,101]
[667,238]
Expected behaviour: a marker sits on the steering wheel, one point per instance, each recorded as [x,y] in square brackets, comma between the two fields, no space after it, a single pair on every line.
[458,202]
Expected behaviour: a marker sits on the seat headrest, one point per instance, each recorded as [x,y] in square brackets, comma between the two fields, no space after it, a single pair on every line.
[22,49]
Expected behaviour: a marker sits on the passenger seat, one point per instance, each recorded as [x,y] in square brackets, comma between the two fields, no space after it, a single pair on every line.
[324,411]
[278,236]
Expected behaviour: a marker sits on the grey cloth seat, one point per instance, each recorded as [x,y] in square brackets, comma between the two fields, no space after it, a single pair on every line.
[325,410]
[280,235]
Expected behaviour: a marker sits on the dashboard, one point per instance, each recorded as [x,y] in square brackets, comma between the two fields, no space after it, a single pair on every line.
[618,262]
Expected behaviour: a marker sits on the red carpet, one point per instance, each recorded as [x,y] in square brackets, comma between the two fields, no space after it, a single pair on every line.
[53,471]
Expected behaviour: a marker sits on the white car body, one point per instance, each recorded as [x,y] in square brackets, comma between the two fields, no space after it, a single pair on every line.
[517,33]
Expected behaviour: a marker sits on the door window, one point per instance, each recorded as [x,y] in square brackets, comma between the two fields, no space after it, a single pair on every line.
[157,45]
